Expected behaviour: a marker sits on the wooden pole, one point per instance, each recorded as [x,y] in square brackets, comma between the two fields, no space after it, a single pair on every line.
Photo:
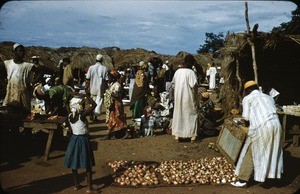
[251,41]
[237,73]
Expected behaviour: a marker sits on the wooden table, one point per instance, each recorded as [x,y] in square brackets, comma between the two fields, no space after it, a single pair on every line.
[49,126]
[295,132]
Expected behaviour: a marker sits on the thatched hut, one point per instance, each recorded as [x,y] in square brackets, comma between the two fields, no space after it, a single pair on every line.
[80,56]
[278,61]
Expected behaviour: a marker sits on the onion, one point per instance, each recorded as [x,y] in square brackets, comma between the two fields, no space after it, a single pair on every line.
[216,170]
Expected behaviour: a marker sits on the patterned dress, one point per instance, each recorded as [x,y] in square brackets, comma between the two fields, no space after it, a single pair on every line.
[140,90]
[115,114]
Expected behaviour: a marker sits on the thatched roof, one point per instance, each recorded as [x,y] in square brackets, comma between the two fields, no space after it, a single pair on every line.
[277,58]
[82,57]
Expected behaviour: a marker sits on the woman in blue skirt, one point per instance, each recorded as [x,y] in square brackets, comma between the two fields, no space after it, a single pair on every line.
[79,153]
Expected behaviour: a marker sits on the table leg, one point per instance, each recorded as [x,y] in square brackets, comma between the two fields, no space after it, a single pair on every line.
[283,127]
[48,146]
[296,140]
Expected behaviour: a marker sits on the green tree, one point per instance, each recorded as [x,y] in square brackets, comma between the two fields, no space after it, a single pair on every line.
[291,27]
[212,43]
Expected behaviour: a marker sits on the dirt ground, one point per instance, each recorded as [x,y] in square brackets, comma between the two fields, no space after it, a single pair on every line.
[22,170]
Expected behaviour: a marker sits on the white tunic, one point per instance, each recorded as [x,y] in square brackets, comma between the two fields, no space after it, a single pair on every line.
[264,136]
[185,117]
[212,71]
[79,127]
[98,75]
[19,77]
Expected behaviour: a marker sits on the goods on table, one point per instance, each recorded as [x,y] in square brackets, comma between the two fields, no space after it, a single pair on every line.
[292,109]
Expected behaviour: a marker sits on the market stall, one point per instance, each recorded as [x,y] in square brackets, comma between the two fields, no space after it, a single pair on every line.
[47,125]
[290,111]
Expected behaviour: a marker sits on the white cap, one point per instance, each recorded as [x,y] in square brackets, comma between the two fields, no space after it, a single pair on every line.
[47,79]
[99,57]
[167,62]
[35,57]
[141,63]
[16,45]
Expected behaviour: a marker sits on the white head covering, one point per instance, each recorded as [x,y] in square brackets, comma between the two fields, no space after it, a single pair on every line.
[99,57]
[141,63]
[16,45]
[60,62]
[166,67]
[47,79]
[75,104]
[35,57]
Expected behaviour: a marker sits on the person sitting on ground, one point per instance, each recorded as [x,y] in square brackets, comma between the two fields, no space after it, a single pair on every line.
[152,101]
[207,116]
[79,154]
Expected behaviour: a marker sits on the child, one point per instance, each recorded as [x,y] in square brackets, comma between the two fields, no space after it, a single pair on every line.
[79,153]
[147,122]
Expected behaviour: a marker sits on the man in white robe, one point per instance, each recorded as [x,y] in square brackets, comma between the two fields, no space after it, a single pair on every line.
[185,116]
[262,151]
[212,71]
[97,78]
[19,79]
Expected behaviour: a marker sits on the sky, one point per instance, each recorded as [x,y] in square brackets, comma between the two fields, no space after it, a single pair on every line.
[163,26]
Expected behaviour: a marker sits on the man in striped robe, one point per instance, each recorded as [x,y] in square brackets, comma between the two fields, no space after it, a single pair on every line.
[262,151]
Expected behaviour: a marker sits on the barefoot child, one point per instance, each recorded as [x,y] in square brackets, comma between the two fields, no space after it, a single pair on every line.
[79,153]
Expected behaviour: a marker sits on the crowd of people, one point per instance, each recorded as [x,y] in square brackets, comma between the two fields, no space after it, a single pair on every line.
[147,81]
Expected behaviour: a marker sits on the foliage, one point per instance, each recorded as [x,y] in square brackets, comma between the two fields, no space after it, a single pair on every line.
[291,27]
[213,42]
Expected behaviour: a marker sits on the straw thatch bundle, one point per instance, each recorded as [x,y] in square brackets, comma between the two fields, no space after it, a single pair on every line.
[278,63]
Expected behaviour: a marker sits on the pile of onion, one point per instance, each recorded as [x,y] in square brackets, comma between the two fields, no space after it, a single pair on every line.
[203,171]
[134,173]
